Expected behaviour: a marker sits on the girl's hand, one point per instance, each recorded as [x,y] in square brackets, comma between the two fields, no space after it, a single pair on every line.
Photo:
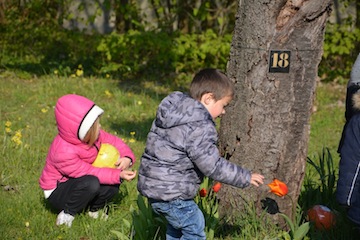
[128,175]
[257,179]
[123,163]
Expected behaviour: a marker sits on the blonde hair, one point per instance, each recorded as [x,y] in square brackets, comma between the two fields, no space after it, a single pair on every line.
[93,133]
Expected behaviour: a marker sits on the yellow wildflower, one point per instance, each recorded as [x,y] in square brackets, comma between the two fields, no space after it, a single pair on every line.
[8,124]
[132,133]
[79,72]
[139,102]
[18,134]
[17,138]
[8,130]
[44,110]
[108,93]
[132,140]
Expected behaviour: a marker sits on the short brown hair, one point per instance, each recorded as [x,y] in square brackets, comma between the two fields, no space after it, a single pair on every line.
[92,135]
[213,81]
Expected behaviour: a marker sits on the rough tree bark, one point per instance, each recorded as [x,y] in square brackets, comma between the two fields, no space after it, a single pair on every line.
[266,127]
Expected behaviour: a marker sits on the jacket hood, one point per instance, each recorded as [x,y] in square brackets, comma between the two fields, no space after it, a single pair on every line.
[355,72]
[74,116]
[178,109]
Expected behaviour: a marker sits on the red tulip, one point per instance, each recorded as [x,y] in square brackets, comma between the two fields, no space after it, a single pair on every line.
[203,192]
[216,187]
[278,187]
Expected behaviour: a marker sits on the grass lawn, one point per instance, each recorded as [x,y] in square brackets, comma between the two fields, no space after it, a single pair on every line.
[28,127]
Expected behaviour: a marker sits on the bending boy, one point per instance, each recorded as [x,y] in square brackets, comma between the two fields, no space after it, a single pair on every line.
[182,148]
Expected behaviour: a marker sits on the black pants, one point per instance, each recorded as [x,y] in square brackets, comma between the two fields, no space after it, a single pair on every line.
[77,194]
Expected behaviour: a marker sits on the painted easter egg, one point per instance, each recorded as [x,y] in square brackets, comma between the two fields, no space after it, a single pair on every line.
[321,216]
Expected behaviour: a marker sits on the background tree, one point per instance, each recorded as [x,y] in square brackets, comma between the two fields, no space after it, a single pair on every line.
[266,128]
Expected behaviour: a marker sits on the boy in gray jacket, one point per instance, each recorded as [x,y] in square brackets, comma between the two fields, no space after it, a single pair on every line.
[181,149]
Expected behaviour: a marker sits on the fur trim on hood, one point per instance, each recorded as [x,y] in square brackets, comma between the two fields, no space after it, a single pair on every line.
[356,100]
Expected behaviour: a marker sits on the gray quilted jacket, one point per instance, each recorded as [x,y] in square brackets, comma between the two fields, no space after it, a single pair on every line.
[180,149]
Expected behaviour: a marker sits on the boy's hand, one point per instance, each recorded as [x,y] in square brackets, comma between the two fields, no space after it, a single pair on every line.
[257,179]
[123,163]
[128,175]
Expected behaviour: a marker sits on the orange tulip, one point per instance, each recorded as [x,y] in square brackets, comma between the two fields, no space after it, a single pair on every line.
[203,192]
[216,187]
[278,187]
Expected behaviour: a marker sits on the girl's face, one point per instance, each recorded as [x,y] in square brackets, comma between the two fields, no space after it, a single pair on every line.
[93,133]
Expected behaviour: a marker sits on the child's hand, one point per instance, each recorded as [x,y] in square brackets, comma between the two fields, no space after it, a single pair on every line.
[257,179]
[123,163]
[128,175]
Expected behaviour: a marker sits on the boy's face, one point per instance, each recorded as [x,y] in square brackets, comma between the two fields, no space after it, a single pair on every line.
[215,108]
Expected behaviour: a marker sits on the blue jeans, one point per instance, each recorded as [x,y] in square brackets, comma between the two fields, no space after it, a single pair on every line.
[185,219]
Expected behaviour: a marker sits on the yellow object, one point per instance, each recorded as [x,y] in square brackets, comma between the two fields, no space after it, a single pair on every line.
[107,156]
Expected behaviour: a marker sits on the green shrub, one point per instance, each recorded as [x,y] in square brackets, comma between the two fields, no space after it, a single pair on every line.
[340,52]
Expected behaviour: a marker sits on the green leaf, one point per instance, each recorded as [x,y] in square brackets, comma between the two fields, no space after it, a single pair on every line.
[120,235]
[301,232]
[289,222]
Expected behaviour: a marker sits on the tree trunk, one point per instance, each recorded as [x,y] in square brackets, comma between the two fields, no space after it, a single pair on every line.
[90,16]
[275,52]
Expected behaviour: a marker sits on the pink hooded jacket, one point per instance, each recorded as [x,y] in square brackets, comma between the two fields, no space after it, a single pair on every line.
[68,156]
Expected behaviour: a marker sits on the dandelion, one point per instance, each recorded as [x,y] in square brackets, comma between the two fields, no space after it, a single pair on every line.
[27,224]
[132,133]
[203,192]
[278,187]
[44,110]
[18,134]
[132,140]
[17,138]
[8,124]
[79,72]
[216,187]
[139,102]
[108,93]
[7,127]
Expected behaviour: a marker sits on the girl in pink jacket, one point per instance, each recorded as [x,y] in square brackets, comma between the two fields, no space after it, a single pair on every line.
[70,183]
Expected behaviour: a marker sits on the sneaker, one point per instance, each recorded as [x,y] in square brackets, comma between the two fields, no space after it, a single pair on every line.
[103,215]
[64,218]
